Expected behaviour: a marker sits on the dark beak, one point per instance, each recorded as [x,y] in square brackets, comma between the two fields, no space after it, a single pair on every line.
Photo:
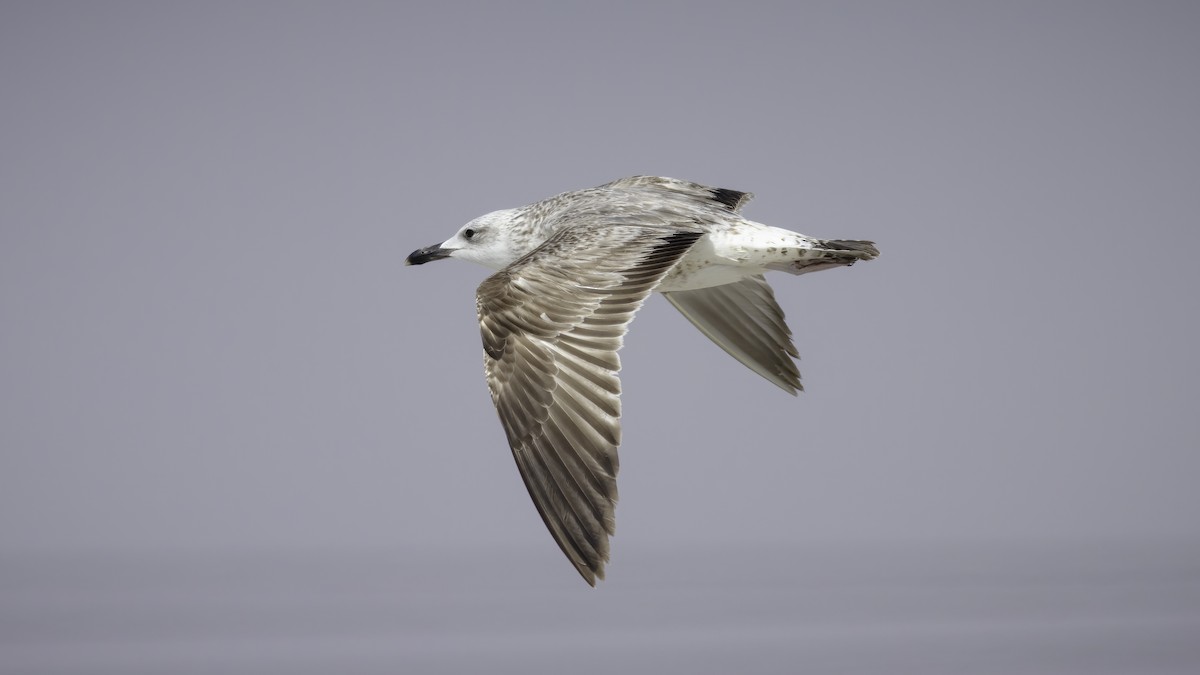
[427,254]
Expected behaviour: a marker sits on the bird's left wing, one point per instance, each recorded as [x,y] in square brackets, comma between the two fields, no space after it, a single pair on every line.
[552,323]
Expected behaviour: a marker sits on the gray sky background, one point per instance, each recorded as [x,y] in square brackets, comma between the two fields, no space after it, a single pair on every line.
[208,339]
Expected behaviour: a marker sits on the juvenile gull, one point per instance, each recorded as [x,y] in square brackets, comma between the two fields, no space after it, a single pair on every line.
[573,270]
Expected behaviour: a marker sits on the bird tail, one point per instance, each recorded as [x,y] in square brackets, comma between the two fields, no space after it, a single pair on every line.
[827,253]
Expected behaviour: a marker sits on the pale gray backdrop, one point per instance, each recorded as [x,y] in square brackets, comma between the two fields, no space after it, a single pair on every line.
[238,434]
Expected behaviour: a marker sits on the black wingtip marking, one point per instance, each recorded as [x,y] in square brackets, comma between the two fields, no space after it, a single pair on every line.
[732,199]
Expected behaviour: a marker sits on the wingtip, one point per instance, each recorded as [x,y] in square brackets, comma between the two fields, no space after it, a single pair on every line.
[590,575]
[792,388]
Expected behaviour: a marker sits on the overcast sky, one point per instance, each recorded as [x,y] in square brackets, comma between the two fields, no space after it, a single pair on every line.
[208,338]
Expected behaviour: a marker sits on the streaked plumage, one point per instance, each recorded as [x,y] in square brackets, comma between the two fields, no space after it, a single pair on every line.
[574,269]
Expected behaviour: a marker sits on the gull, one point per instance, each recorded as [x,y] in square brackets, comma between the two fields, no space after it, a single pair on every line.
[572,272]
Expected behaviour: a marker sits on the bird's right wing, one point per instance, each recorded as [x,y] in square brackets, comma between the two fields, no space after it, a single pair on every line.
[744,319]
[552,323]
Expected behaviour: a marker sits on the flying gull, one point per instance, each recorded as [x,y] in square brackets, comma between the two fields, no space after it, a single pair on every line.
[573,270]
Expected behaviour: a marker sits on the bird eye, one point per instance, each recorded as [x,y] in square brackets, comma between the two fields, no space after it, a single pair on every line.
[468,233]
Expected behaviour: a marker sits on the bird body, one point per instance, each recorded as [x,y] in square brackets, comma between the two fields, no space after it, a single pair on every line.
[572,272]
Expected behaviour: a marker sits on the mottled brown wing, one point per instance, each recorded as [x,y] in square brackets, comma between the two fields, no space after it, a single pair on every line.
[552,323]
[744,319]
[673,188]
